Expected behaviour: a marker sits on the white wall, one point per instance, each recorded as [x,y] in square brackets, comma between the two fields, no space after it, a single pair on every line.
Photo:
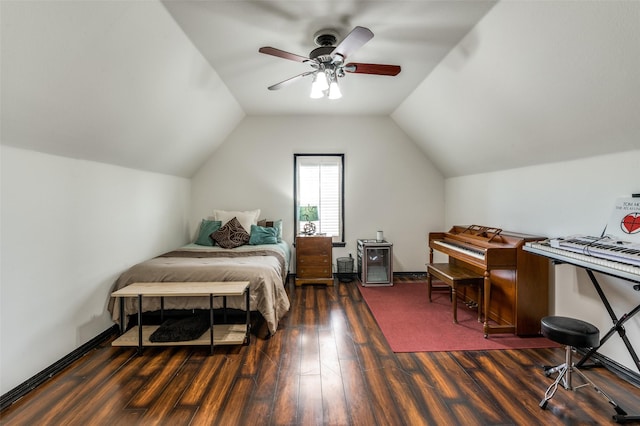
[389,183]
[554,200]
[69,228]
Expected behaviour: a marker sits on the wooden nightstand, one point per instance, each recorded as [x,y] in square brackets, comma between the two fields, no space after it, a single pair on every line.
[314,260]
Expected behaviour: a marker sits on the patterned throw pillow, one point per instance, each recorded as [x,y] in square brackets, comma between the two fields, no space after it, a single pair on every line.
[231,235]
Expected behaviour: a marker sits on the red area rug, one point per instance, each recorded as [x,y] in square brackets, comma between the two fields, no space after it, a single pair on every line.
[411,324]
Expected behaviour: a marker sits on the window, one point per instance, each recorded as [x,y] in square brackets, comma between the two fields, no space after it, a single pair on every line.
[319,182]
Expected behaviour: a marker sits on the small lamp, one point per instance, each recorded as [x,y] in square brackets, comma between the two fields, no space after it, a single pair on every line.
[310,214]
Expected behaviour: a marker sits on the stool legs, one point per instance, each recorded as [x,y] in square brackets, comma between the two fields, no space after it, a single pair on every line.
[551,390]
[564,375]
[565,370]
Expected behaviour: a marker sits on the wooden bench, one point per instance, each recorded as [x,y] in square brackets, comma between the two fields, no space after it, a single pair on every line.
[455,276]
[218,334]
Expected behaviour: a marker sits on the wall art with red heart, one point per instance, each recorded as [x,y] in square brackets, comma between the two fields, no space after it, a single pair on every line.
[630,224]
[624,222]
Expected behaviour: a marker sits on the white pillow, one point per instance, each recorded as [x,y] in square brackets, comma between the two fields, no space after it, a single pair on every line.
[246,218]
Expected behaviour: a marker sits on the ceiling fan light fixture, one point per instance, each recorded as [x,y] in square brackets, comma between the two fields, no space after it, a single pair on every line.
[320,81]
[319,86]
[334,90]
[316,93]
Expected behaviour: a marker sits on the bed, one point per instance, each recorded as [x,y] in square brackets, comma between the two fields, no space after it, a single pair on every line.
[265,266]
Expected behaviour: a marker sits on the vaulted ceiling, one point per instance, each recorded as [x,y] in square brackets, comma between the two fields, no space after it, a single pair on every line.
[159,86]
[416,35]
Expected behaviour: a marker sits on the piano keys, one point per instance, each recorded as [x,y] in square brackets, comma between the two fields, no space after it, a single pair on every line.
[516,283]
[601,247]
[572,250]
[446,246]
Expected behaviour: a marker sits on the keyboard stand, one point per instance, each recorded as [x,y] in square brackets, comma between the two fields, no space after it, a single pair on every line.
[618,324]
[618,327]
[558,257]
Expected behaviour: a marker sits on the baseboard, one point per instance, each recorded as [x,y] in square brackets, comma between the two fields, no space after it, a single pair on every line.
[619,370]
[347,277]
[21,390]
[421,275]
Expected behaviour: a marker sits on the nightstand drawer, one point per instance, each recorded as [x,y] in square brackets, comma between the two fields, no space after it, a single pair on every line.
[314,246]
[314,271]
[320,259]
[314,261]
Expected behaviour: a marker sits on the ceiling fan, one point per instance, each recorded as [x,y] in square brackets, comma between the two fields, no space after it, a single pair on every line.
[328,61]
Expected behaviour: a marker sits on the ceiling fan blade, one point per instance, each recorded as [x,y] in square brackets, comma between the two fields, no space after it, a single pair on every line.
[353,41]
[288,81]
[378,69]
[282,54]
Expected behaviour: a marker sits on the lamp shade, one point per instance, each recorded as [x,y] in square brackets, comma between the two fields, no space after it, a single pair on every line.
[321,81]
[309,213]
[316,93]
[334,90]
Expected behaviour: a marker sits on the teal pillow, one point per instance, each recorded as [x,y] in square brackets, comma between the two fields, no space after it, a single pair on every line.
[278,225]
[263,235]
[273,224]
[207,227]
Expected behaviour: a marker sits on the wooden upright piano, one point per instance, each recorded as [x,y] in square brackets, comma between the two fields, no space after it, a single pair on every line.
[516,283]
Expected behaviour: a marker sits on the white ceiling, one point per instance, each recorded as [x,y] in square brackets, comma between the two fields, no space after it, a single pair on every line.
[159,85]
[416,35]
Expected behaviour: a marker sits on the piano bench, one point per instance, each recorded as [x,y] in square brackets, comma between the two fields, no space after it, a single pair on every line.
[455,276]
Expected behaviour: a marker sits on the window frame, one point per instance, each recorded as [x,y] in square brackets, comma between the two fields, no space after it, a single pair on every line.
[337,242]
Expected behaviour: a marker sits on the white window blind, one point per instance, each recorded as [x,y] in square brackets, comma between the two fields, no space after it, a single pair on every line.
[319,183]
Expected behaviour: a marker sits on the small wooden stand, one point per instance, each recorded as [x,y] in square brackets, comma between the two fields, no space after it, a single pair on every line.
[219,334]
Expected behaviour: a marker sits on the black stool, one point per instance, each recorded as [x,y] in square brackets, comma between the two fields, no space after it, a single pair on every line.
[573,333]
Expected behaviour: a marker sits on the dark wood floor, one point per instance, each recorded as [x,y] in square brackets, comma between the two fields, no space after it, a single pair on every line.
[329,364]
